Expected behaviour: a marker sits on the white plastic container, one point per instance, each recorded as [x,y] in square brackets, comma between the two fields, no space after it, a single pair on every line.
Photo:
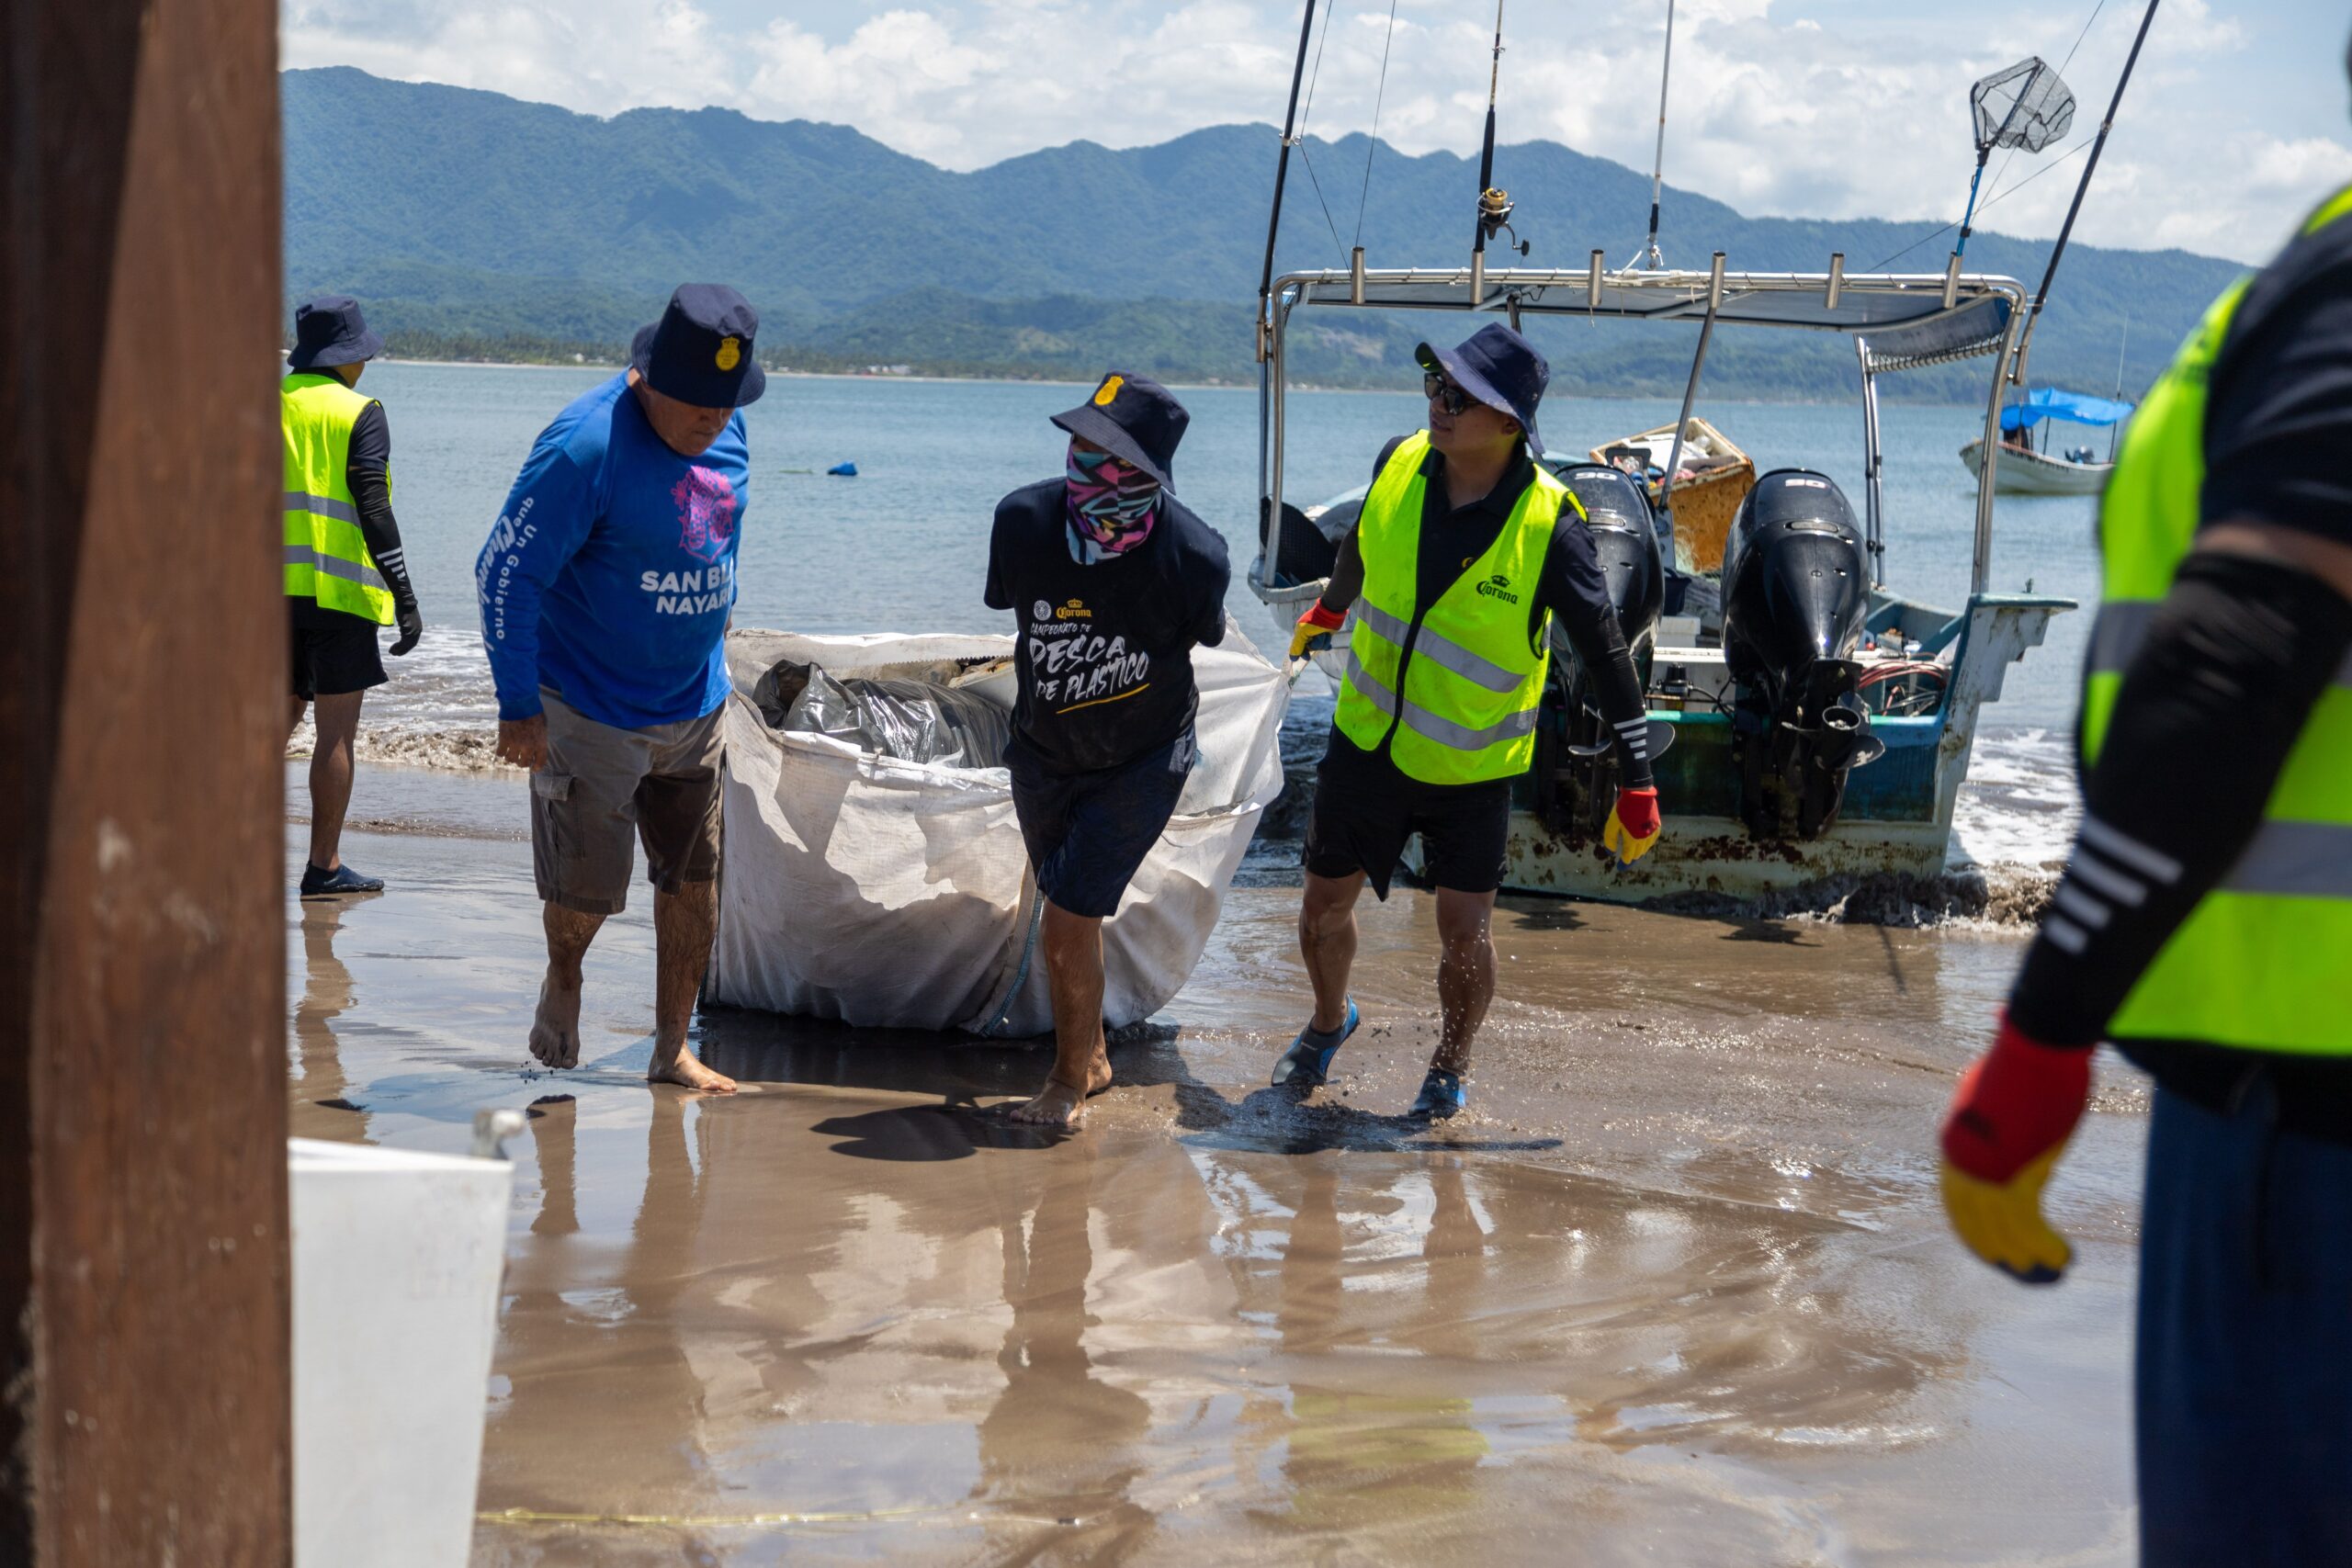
[397,1258]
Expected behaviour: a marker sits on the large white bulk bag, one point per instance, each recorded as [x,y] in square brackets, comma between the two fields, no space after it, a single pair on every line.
[880,892]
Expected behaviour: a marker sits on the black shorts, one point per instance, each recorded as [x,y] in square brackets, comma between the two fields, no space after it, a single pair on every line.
[1365,810]
[329,652]
[1088,833]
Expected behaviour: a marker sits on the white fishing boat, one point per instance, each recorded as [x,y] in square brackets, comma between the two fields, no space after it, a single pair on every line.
[1810,724]
[2024,470]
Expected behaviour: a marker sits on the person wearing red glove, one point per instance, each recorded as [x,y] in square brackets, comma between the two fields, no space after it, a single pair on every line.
[2204,926]
[1465,556]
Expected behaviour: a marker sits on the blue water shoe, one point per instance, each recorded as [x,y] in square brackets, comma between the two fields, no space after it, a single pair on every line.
[1442,1095]
[1307,1063]
[316,884]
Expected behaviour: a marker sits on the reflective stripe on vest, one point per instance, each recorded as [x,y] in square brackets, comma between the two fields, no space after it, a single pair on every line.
[2264,960]
[1453,687]
[326,556]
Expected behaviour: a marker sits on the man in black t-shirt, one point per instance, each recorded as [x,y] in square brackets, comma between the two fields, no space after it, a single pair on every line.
[1114,581]
[1480,492]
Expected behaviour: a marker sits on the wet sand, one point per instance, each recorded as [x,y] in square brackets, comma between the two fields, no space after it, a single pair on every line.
[1676,1290]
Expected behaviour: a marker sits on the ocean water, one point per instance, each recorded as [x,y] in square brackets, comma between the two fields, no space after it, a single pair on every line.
[904,546]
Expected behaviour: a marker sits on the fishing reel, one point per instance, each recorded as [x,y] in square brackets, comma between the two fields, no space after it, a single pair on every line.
[1495,207]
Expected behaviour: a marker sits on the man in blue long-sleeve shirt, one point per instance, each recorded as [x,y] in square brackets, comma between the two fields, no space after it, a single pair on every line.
[605,587]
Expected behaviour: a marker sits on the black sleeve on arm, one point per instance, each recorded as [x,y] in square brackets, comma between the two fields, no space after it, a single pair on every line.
[1575,593]
[367,470]
[1346,584]
[1213,577]
[994,593]
[2209,708]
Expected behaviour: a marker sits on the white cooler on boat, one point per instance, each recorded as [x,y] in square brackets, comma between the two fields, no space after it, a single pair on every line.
[397,1258]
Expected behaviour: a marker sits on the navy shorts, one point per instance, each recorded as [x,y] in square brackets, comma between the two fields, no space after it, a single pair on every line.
[328,652]
[1365,810]
[1087,832]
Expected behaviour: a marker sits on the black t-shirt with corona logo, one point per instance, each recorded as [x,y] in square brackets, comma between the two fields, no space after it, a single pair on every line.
[1104,651]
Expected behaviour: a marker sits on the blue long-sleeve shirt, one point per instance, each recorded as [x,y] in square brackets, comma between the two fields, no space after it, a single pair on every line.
[610,573]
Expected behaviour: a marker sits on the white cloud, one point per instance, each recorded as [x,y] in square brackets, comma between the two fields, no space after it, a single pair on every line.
[1772,111]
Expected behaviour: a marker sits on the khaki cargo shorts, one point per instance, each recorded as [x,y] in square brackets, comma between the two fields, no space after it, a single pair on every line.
[605,788]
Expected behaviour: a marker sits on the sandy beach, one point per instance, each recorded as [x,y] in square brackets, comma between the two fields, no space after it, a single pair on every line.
[1676,1290]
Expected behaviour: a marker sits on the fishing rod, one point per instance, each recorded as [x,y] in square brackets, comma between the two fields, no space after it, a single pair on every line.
[1281,173]
[1494,206]
[1649,252]
[2042,295]
[2120,344]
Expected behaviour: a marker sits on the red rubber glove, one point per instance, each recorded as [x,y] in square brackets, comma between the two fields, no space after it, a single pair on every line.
[1633,825]
[2016,1106]
[1313,632]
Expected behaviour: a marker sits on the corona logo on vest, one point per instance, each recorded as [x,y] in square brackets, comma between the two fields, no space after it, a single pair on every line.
[1075,610]
[1499,587]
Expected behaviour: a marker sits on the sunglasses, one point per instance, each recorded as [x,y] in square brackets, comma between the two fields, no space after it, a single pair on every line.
[1443,393]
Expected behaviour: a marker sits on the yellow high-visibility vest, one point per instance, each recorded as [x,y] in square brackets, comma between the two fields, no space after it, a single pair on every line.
[2264,961]
[1452,686]
[326,557]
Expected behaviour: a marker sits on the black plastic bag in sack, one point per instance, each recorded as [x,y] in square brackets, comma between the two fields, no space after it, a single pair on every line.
[915,721]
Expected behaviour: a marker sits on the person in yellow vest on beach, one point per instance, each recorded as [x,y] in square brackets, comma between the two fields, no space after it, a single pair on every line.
[1467,558]
[2204,927]
[344,571]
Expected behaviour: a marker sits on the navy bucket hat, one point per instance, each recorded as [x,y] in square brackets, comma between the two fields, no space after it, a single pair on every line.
[330,330]
[700,351]
[1500,370]
[1134,419]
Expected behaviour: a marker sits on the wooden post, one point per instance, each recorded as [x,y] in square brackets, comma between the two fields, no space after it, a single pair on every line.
[144,1370]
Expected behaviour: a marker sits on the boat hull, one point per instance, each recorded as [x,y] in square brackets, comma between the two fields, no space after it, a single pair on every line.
[1895,819]
[2033,473]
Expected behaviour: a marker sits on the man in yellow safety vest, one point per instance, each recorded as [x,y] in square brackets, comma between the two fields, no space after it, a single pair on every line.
[1465,557]
[345,574]
[2204,926]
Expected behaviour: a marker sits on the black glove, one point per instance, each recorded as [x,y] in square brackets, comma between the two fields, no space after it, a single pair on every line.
[412,625]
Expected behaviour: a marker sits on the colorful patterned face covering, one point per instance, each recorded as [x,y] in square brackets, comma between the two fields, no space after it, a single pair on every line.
[1112,505]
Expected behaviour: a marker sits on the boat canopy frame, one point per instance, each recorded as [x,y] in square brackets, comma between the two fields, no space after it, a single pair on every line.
[1897,322]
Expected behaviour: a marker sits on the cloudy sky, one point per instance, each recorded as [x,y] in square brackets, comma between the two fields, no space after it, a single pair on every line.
[2235,121]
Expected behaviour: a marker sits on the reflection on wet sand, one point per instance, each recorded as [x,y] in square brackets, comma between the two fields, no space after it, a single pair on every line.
[1059,1442]
[321,1105]
[1073,1346]
[1675,1290]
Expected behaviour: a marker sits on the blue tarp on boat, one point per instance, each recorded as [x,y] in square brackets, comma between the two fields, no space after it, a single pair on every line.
[2047,402]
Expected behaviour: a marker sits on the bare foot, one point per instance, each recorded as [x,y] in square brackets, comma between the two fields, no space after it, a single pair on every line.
[1058,1104]
[687,1073]
[555,1029]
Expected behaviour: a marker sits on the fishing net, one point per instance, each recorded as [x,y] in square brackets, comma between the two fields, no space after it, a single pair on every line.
[2024,106]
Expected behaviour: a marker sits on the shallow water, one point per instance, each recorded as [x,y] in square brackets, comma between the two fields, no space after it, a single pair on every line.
[1677,1289]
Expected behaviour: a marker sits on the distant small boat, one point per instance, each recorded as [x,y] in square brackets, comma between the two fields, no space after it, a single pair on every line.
[2021,470]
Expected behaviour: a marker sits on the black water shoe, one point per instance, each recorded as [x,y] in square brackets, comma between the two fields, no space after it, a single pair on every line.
[316,884]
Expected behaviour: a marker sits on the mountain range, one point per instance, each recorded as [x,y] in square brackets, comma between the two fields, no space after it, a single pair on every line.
[478,225]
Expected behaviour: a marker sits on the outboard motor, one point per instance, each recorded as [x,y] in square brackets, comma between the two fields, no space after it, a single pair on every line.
[1575,756]
[1796,592]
